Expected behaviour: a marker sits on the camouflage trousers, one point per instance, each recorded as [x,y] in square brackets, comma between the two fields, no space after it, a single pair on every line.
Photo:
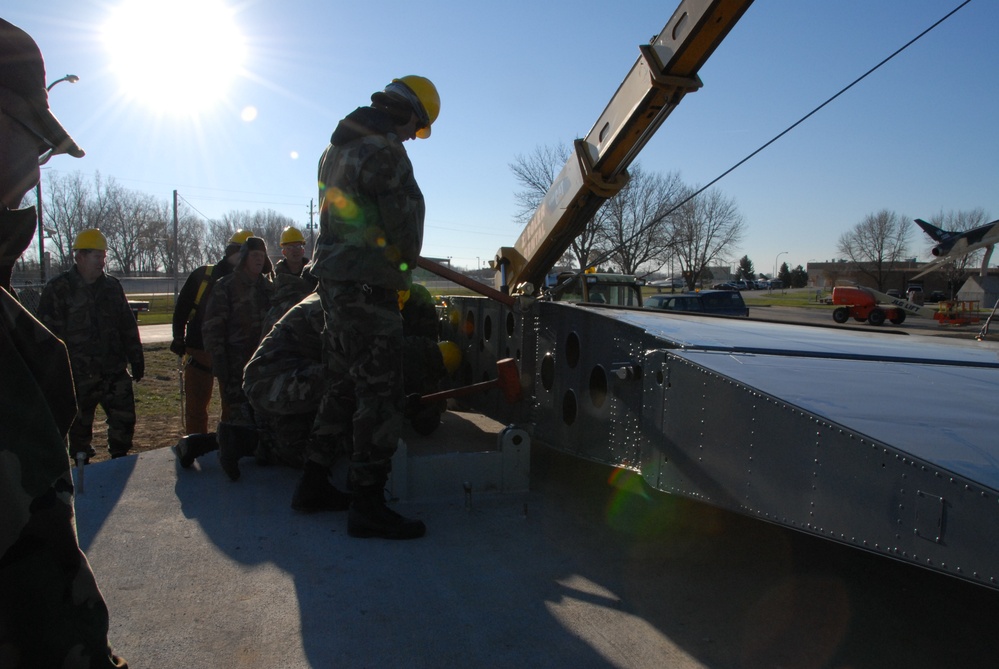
[364,398]
[284,393]
[52,613]
[114,394]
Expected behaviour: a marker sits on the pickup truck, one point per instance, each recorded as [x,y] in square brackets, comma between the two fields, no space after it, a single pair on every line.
[622,290]
[136,306]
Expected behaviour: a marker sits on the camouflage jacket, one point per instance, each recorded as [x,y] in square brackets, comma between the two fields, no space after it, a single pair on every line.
[289,290]
[234,321]
[282,267]
[286,374]
[94,321]
[189,312]
[371,208]
[52,610]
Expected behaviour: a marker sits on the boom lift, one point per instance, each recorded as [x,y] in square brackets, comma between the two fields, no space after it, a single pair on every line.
[807,428]
[866,304]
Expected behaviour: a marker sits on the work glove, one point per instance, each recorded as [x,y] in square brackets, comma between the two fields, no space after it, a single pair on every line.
[178,347]
[413,406]
[138,370]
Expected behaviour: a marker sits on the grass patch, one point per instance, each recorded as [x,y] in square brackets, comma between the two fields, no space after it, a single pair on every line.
[797,297]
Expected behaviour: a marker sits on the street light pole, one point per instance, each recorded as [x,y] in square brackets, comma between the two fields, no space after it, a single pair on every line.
[774,276]
[71,78]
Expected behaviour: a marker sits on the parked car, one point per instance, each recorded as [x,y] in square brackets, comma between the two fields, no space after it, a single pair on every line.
[724,302]
[937,296]
[894,292]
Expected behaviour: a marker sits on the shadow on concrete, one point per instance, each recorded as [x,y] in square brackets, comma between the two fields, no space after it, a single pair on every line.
[589,569]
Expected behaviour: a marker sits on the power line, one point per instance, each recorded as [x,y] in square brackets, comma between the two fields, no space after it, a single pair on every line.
[192,206]
[791,127]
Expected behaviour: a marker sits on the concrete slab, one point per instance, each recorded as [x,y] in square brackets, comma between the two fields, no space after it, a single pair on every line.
[586,569]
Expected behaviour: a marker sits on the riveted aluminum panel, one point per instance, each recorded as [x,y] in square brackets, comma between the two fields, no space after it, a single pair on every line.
[880,442]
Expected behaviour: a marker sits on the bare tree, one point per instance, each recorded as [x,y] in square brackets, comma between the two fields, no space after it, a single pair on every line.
[65,200]
[267,225]
[218,233]
[704,229]
[635,225]
[138,226]
[876,244]
[132,222]
[536,173]
[191,243]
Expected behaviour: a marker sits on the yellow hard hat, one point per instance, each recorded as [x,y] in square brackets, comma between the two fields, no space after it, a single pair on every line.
[292,235]
[240,236]
[90,239]
[451,354]
[428,96]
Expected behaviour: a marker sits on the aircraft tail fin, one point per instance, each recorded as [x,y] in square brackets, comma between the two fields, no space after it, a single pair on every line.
[933,231]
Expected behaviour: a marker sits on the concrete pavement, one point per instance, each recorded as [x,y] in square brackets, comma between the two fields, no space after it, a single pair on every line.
[588,568]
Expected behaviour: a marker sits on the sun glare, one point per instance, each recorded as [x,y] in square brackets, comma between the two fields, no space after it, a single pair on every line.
[176,57]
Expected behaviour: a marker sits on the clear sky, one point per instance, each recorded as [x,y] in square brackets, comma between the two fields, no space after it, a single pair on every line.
[918,137]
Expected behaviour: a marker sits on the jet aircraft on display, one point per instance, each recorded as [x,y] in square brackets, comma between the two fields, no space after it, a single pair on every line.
[955,245]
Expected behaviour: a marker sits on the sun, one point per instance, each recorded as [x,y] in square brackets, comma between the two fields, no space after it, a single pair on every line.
[177,57]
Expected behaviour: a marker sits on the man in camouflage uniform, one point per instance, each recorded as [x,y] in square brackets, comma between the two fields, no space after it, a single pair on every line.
[292,278]
[286,379]
[232,330]
[371,233]
[52,613]
[88,310]
[294,261]
[188,315]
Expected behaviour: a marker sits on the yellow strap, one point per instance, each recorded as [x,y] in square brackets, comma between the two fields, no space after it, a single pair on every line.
[201,291]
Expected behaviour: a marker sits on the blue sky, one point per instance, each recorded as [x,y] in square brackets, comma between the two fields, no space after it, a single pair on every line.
[918,137]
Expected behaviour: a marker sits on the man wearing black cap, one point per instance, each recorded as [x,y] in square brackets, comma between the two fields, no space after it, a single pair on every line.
[52,613]
[232,330]
[371,233]
[188,315]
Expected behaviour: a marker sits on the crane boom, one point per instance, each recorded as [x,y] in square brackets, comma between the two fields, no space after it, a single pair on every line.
[665,71]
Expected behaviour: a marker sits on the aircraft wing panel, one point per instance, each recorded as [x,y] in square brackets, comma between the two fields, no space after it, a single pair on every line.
[891,402]
[739,334]
[882,442]
[926,394]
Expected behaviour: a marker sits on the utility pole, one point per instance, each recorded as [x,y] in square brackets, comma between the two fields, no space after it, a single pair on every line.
[311,226]
[71,78]
[41,231]
[176,234]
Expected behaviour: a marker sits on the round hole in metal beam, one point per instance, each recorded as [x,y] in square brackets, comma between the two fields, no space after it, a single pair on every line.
[572,350]
[487,328]
[598,386]
[469,327]
[511,325]
[569,408]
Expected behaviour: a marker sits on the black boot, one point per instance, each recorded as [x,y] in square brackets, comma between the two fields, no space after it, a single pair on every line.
[235,441]
[368,515]
[315,492]
[192,446]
